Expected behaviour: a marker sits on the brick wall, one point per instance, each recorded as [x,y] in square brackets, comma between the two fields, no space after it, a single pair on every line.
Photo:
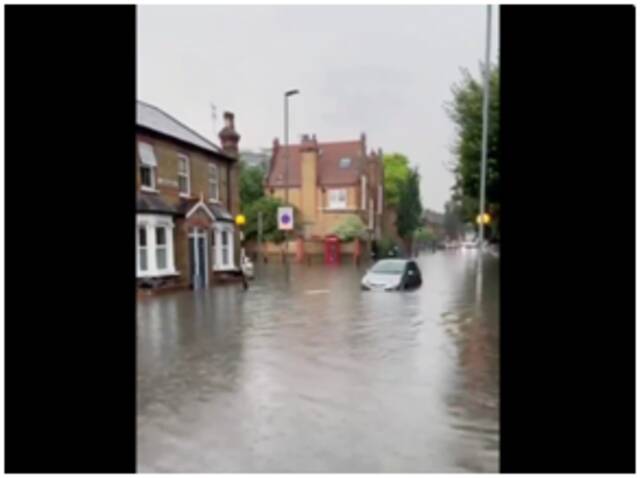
[181,250]
[166,152]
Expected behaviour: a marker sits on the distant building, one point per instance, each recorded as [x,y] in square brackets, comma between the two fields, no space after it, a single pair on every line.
[260,158]
[329,181]
[434,222]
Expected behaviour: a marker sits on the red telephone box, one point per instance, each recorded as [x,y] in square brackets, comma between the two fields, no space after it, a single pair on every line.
[331,250]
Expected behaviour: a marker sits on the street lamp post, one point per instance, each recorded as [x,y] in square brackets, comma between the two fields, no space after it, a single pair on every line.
[485,127]
[286,170]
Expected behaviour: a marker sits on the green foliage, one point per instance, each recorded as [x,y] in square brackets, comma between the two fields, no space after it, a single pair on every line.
[452,221]
[269,208]
[466,112]
[350,228]
[251,184]
[409,207]
[424,235]
[396,171]
[385,245]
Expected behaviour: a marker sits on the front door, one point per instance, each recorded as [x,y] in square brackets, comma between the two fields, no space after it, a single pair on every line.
[198,259]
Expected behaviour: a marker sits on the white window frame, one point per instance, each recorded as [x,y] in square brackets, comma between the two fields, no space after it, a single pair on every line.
[150,222]
[216,247]
[363,192]
[161,247]
[333,200]
[214,179]
[186,174]
[140,248]
[148,161]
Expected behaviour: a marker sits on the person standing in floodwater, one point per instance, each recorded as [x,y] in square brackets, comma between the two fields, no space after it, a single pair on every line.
[245,282]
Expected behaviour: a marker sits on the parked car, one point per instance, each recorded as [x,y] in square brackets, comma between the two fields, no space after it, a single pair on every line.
[471,244]
[392,274]
[452,245]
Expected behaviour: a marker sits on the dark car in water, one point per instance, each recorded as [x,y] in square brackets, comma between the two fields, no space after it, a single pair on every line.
[392,274]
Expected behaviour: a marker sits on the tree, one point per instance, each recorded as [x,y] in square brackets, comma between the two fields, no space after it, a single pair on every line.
[350,228]
[423,237]
[251,184]
[466,111]
[268,206]
[396,171]
[452,222]
[409,208]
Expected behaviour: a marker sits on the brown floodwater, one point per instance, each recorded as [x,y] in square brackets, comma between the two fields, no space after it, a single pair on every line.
[315,375]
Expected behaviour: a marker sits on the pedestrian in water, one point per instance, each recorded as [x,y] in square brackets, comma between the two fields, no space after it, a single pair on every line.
[245,283]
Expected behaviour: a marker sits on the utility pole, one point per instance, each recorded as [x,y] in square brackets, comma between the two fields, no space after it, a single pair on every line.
[259,236]
[286,173]
[485,127]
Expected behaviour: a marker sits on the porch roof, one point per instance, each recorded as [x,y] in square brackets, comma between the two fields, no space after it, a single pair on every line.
[153,203]
[218,211]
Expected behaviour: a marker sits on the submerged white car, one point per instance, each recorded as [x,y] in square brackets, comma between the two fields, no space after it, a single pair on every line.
[392,274]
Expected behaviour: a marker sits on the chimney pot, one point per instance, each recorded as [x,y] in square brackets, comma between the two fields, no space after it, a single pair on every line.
[228,136]
[228,119]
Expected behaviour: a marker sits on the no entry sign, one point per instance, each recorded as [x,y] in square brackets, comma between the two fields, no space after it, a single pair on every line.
[285,218]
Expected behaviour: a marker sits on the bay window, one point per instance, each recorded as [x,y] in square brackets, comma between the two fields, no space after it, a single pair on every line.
[161,248]
[222,246]
[142,249]
[154,244]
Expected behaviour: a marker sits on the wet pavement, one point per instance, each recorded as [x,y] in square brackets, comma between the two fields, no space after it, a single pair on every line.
[315,375]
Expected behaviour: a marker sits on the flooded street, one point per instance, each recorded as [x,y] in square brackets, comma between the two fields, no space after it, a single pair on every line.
[315,375]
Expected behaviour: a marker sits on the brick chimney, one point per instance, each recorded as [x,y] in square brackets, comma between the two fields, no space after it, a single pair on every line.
[229,138]
[308,143]
[309,177]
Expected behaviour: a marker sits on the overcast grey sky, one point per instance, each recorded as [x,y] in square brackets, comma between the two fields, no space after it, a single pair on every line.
[383,70]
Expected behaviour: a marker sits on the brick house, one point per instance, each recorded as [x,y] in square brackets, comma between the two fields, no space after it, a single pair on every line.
[329,181]
[187,196]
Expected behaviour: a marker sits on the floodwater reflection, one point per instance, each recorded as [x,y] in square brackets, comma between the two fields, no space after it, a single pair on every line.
[314,375]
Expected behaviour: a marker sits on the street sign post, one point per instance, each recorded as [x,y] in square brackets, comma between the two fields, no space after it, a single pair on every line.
[285,218]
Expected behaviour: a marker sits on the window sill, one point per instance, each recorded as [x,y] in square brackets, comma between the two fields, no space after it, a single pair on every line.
[185,195]
[214,201]
[340,209]
[149,275]
[147,189]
